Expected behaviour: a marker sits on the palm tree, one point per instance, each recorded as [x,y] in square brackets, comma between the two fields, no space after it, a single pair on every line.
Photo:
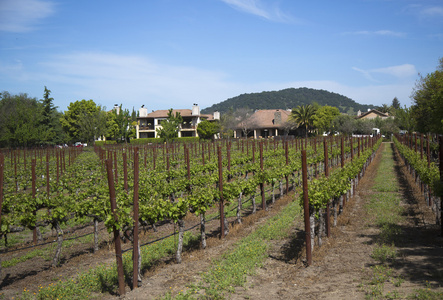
[303,115]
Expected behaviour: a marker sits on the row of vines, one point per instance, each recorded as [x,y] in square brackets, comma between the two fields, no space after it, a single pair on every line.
[124,187]
[423,156]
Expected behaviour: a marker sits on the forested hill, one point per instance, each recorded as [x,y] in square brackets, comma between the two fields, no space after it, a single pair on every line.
[288,99]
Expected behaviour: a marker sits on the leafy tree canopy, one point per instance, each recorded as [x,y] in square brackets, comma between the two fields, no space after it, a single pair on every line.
[27,122]
[170,126]
[303,116]
[322,119]
[84,121]
[428,98]
[120,124]
[288,99]
[207,130]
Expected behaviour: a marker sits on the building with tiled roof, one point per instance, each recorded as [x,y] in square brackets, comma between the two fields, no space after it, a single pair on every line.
[265,123]
[372,114]
[149,123]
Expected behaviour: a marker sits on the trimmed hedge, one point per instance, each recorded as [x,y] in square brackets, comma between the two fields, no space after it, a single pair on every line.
[102,143]
[159,140]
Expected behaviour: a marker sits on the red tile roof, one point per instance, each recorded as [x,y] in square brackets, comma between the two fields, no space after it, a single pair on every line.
[268,118]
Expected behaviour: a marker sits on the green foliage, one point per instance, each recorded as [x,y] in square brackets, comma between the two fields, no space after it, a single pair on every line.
[384,253]
[145,141]
[344,124]
[107,142]
[404,119]
[206,129]
[428,98]
[84,121]
[119,125]
[395,103]
[322,120]
[287,99]
[170,126]
[303,116]
[51,132]
[20,120]
[428,175]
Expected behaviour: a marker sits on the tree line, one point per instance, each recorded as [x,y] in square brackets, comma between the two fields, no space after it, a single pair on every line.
[32,122]
[288,99]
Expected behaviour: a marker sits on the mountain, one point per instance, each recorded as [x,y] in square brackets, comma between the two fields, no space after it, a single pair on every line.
[288,99]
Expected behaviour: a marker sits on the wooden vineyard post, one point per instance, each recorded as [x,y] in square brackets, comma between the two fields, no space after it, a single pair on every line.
[287,163]
[441,181]
[306,207]
[2,163]
[220,186]
[352,149]
[203,154]
[262,184]
[135,247]
[47,173]
[57,164]
[342,159]
[125,172]
[34,230]
[167,157]
[328,212]
[15,169]
[428,154]
[228,153]
[315,152]
[118,247]
[115,167]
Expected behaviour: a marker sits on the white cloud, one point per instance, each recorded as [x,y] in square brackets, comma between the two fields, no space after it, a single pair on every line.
[366,74]
[378,32]
[424,12]
[134,80]
[435,11]
[256,7]
[23,15]
[399,72]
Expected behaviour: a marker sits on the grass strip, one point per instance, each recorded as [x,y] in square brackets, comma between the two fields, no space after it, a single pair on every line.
[249,254]
[384,208]
[103,278]
[46,252]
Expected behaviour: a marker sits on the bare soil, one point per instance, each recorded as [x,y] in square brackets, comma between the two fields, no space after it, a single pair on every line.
[339,267]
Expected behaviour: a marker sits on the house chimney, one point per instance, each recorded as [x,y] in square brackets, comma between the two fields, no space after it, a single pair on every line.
[359,113]
[195,110]
[143,111]
[277,118]
[117,109]
[216,115]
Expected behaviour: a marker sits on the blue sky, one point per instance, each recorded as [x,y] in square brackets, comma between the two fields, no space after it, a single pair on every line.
[173,53]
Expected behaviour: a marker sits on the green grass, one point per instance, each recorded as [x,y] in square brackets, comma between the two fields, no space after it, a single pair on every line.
[384,253]
[249,254]
[46,252]
[103,278]
[384,207]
